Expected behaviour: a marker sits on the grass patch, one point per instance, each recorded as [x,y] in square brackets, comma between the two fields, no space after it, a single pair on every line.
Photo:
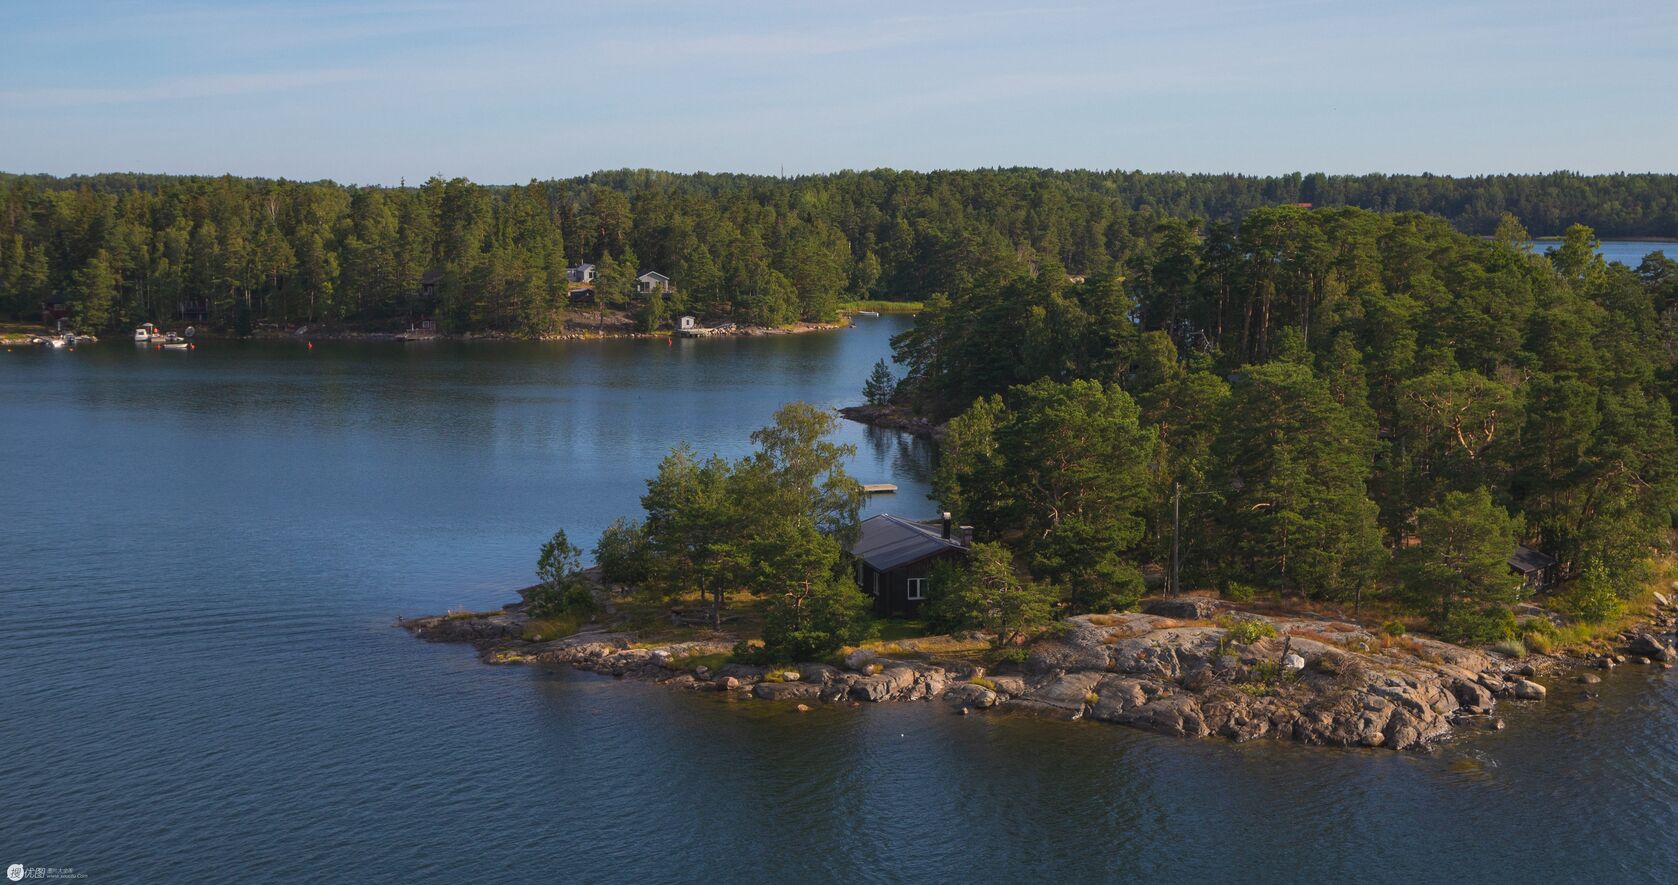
[557,627]
[941,646]
[712,661]
[983,682]
[466,615]
[1511,648]
[895,629]
[882,306]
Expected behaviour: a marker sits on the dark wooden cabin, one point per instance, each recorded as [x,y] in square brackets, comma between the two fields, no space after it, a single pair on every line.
[895,555]
[1536,568]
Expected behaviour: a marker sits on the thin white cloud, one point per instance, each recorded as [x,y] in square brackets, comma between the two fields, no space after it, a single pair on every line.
[177,88]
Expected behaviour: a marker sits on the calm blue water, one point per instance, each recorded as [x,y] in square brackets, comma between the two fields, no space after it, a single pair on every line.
[201,555]
[1628,252]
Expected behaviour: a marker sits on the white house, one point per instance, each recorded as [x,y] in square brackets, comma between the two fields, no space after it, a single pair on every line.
[652,281]
[685,324]
[582,273]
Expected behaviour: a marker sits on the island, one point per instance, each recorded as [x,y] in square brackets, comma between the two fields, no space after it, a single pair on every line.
[1341,477]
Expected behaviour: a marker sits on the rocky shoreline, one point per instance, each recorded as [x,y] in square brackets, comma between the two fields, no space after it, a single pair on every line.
[1171,669]
[893,418]
[574,334]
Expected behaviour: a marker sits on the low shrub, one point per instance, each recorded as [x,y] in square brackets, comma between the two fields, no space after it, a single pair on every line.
[1235,591]
[1483,627]
[1394,629]
[1510,648]
[983,682]
[1246,631]
[1013,655]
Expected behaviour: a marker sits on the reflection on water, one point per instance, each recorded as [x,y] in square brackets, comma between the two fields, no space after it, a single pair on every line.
[201,555]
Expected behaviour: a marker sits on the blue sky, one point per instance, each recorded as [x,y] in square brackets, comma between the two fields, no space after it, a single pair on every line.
[508,91]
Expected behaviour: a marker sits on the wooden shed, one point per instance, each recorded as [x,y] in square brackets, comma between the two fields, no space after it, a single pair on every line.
[894,557]
[1537,568]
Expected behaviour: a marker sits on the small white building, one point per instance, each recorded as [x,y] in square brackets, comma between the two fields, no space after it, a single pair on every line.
[652,281]
[582,273]
[686,324]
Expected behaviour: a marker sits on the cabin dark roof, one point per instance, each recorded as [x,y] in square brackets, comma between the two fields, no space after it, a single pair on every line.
[1527,560]
[887,542]
[431,278]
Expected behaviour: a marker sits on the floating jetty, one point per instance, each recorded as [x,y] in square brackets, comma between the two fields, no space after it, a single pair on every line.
[878,488]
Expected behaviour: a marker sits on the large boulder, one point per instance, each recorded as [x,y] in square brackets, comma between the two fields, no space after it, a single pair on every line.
[1176,715]
[885,685]
[1527,690]
[1474,697]
[1070,691]
[1080,647]
[786,691]
[968,694]
[1115,695]
[1647,645]
[860,659]
[1182,608]
[817,673]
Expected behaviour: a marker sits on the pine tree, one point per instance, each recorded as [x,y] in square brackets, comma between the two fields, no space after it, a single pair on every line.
[880,385]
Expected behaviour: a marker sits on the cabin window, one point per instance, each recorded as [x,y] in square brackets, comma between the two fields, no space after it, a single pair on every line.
[875,590]
[916,587]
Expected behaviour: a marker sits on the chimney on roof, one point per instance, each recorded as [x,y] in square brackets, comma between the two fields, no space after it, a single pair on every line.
[947,525]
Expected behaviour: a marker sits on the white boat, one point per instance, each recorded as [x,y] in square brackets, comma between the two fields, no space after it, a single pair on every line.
[867,313]
[176,345]
[145,333]
[54,341]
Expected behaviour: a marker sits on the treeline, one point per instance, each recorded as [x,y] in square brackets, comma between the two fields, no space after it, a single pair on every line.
[1350,403]
[121,249]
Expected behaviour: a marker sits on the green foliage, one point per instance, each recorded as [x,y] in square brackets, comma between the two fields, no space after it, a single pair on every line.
[1065,466]
[623,553]
[1482,626]
[1462,557]
[880,385]
[652,313]
[775,518]
[987,593]
[561,589]
[1592,597]
[1246,631]
[1394,629]
[810,607]
[1235,591]
[1298,516]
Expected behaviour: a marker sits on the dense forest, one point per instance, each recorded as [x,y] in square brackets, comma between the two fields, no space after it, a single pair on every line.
[119,249]
[1350,403]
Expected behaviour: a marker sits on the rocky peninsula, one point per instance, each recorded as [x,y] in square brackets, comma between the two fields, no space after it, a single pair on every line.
[1188,667]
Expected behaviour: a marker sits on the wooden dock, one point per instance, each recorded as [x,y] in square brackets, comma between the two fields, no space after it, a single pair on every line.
[878,488]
